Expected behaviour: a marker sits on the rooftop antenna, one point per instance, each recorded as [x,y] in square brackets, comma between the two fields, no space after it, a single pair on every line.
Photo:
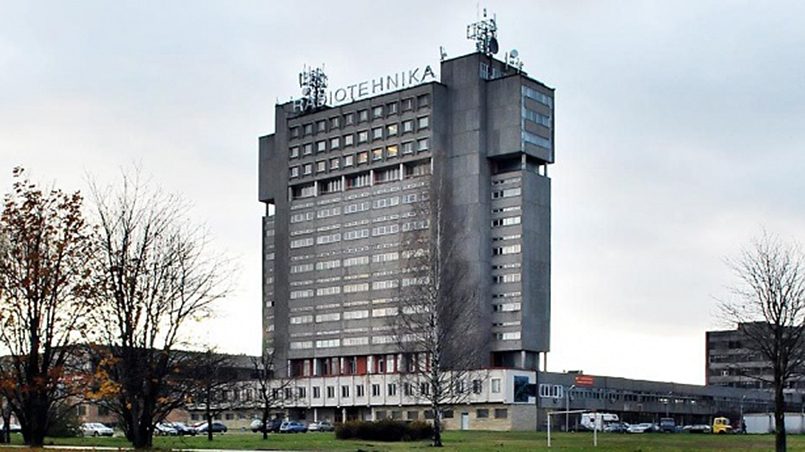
[484,32]
[442,53]
[313,82]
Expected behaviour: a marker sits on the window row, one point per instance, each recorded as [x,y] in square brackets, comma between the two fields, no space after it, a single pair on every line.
[361,158]
[360,116]
[360,137]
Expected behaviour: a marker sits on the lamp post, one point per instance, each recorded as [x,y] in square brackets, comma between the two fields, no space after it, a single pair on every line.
[567,407]
[741,418]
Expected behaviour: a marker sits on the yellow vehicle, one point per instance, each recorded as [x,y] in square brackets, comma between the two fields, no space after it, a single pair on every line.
[721,425]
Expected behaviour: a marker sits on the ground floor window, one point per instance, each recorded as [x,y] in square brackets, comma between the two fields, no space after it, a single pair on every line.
[501,413]
[481,413]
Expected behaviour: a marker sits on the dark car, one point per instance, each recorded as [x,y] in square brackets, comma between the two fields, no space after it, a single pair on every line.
[667,424]
[217,427]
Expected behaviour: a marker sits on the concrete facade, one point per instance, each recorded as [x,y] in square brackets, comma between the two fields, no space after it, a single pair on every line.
[341,185]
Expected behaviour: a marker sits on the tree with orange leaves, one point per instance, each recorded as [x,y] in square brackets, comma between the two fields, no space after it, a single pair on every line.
[45,296]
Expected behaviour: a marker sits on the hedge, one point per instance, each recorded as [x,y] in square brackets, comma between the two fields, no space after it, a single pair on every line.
[385,430]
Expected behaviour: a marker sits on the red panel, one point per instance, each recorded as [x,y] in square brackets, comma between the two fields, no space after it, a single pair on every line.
[361,365]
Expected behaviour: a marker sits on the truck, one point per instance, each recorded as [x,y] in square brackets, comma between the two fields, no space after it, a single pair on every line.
[597,421]
[722,425]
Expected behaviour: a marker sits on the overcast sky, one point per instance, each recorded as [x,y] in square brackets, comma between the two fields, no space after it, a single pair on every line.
[680,130]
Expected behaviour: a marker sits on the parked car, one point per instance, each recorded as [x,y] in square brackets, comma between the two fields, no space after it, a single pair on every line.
[697,428]
[95,429]
[12,427]
[668,424]
[321,426]
[165,429]
[293,427]
[217,427]
[183,429]
[616,427]
[272,425]
[645,427]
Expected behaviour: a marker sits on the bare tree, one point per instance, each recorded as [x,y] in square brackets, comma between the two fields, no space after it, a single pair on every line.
[769,307]
[45,295]
[270,386]
[156,277]
[215,376]
[436,326]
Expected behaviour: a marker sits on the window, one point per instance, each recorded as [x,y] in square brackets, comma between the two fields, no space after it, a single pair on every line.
[422,122]
[377,154]
[321,146]
[335,143]
[328,343]
[307,169]
[294,152]
[301,243]
[391,201]
[321,166]
[508,221]
[363,115]
[358,180]
[422,144]
[531,93]
[412,415]
[294,171]
[308,129]
[321,126]
[482,413]
[316,392]
[344,391]
[330,392]
[509,278]
[363,157]
[507,193]
[408,126]
[301,392]
[359,260]
[335,163]
[375,390]
[501,413]
[335,122]
[298,320]
[377,112]
[408,147]
[352,315]
[392,389]
[349,119]
[294,132]
[391,130]
[391,108]
[510,249]
[307,149]
[408,389]
[477,386]
[349,140]
[363,136]
[448,414]
[359,392]
[391,151]
[377,133]
[495,385]
[408,104]
[349,160]
[296,294]
[324,291]
[423,101]
[353,288]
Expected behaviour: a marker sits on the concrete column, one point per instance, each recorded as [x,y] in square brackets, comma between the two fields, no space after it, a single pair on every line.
[315,415]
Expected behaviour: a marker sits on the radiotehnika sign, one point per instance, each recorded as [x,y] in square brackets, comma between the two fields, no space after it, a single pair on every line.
[357,91]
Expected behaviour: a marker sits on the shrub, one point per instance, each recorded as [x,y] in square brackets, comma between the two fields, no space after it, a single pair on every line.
[385,430]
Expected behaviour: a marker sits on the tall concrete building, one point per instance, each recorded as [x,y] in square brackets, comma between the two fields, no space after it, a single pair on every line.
[341,183]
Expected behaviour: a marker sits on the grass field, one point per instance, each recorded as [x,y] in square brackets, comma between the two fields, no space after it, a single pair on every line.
[461,441]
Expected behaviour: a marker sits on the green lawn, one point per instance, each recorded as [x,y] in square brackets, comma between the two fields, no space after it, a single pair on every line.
[464,441]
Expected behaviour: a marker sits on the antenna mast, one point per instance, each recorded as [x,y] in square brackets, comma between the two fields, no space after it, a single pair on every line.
[484,33]
[313,82]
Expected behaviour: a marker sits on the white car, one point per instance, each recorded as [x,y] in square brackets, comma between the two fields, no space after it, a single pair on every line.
[640,428]
[165,429]
[95,429]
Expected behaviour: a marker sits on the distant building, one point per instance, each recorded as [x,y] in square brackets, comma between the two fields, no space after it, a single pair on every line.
[731,361]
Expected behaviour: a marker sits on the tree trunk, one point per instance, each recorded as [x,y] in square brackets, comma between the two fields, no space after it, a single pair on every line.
[437,426]
[34,431]
[209,422]
[779,417]
[265,421]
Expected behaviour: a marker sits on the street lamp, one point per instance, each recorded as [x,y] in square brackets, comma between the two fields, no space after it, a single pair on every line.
[567,407]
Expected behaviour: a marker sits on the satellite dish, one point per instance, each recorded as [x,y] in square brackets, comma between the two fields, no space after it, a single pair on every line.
[493,46]
[514,53]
